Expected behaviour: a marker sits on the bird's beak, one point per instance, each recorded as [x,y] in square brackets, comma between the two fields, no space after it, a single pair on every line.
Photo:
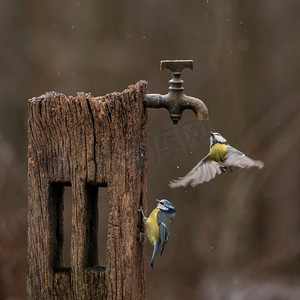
[157,200]
[211,133]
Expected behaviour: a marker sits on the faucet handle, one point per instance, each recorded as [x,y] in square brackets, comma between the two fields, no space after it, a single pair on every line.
[176,66]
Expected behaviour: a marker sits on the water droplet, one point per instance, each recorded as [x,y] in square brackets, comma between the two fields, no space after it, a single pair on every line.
[73,27]
[177,167]
[228,20]
[211,247]
[144,37]
[241,22]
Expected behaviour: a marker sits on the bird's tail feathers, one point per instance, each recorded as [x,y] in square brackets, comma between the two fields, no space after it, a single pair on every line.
[154,254]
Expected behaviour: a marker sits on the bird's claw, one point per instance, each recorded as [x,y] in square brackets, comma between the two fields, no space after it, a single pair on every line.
[141,235]
[230,169]
[141,211]
[222,169]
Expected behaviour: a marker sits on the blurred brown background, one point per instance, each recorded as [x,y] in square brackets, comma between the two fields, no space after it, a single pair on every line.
[236,237]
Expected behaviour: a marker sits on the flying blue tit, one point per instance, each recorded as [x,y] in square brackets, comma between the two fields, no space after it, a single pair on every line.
[158,225]
[221,157]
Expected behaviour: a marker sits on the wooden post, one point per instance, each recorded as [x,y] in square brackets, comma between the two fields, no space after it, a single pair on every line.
[86,142]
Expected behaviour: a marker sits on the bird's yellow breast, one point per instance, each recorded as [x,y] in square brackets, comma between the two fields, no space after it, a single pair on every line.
[152,227]
[218,152]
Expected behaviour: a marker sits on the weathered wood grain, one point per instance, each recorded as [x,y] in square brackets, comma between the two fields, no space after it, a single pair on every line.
[86,142]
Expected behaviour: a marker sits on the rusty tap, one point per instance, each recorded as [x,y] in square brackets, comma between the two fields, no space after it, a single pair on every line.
[176,101]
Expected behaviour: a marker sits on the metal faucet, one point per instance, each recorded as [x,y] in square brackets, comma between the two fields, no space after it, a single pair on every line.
[176,101]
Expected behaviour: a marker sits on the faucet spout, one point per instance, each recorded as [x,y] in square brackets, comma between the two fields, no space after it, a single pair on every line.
[176,101]
[197,106]
[176,104]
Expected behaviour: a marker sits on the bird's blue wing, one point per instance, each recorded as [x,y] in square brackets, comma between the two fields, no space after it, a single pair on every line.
[163,227]
[163,231]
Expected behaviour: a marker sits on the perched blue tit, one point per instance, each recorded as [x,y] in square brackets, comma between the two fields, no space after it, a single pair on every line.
[221,157]
[158,225]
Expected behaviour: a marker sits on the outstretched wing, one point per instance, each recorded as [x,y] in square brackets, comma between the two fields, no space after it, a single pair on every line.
[204,171]
[236,158]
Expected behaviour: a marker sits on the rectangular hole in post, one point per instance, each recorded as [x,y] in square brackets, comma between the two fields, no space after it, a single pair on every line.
[97,213]
[60,228]
[103,224]
[67,227]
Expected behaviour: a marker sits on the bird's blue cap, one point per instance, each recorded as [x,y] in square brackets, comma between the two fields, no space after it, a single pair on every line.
[166,203]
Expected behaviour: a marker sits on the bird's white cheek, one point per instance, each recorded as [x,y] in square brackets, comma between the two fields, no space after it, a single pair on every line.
[161,207]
